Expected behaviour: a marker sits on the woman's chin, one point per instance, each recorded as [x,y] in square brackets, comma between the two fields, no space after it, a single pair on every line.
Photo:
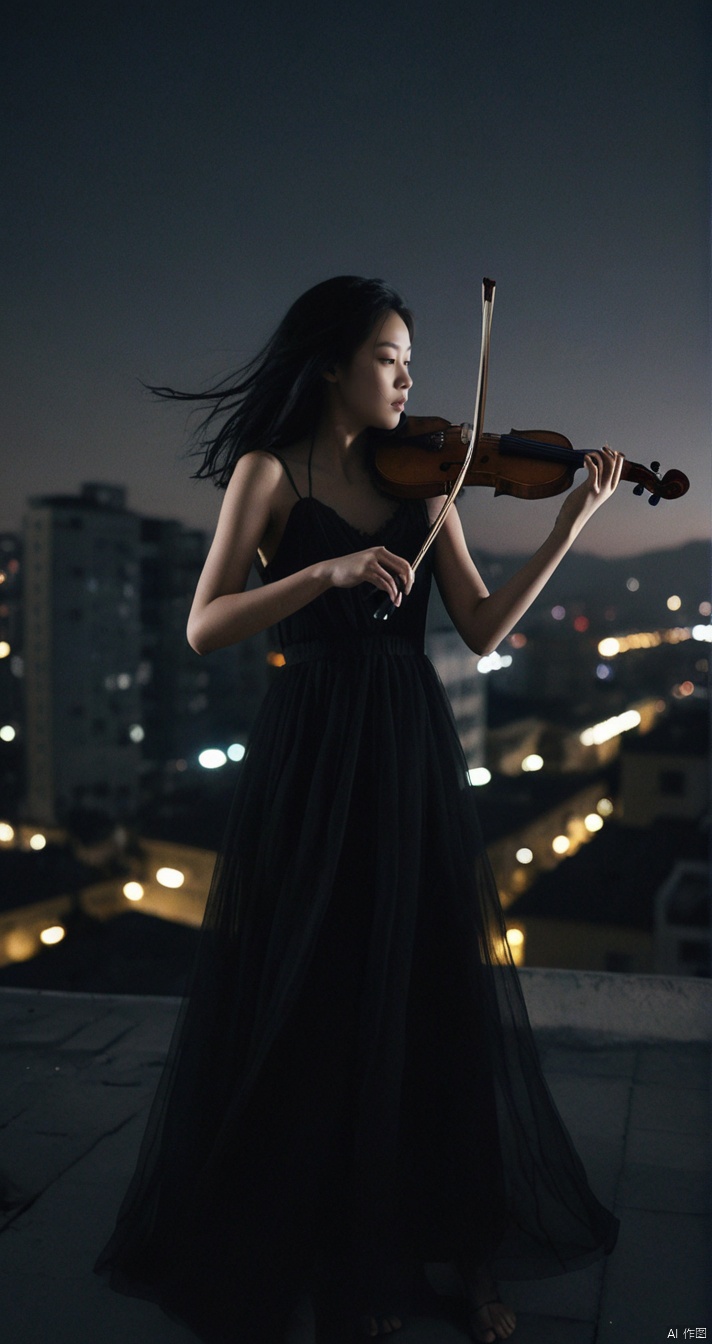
[387,420]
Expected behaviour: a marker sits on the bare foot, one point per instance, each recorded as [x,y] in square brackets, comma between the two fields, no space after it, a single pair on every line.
[490,1319]
[379,1325]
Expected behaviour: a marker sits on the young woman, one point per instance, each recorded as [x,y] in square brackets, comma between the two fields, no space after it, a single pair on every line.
[352,1090]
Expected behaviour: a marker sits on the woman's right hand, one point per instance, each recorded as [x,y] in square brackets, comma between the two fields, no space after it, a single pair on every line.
[377,566]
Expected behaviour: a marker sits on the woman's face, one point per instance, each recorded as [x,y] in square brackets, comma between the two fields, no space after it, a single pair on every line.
[372,389]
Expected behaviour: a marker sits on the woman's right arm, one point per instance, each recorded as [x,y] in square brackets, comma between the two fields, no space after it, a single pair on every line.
[223,613]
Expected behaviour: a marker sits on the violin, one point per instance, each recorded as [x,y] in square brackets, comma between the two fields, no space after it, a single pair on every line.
[424,454]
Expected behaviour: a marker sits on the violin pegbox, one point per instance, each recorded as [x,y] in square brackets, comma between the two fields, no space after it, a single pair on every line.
[670,486]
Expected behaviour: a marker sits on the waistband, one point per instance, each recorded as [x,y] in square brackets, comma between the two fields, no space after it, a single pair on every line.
[348,646]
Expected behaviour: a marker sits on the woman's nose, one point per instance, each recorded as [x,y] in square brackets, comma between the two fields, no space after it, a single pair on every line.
[405,379]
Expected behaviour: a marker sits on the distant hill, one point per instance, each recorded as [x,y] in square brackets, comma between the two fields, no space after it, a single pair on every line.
[593,579]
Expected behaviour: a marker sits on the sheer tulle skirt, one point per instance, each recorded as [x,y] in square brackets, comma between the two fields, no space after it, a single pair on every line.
[352,1089]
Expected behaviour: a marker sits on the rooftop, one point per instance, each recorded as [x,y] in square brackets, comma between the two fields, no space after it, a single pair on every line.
[627,1059]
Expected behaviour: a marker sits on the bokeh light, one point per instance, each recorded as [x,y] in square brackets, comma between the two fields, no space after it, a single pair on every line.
[212,758]
[54,934]
[170,877]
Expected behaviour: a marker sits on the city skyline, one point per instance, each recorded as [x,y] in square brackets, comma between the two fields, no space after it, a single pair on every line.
[174,189]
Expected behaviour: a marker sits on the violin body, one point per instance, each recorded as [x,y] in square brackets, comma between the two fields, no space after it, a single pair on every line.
[423,456]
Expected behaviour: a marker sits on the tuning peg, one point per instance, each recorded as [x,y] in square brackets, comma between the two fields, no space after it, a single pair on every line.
[654,466]
[638,489]
[654,499]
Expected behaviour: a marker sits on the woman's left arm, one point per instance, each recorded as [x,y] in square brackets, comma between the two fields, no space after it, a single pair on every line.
[483,618]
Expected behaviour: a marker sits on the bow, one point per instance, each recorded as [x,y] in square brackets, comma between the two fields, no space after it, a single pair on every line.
[386,606]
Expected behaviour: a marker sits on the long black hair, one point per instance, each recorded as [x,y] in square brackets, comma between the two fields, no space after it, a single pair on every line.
[276,398]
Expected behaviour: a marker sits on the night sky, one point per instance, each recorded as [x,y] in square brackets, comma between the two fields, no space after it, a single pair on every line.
[177,174]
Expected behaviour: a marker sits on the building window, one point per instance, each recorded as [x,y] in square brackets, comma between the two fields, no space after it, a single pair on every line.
[672,783]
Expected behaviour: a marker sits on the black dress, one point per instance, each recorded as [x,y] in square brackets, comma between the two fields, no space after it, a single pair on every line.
[352,1088]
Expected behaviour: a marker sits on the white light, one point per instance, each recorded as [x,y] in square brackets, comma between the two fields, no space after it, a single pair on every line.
[558,613]
[560,844]
[136,732]
[603,671]
[7,733]
[479,775]
[5,649]
[38,841]
[674,603]
[212,758]
[491,662]
[123,681]
[532,762]
[602,732]
[593,822]
[515,937]
[54,934]
[604,806]
[608,648]
[170,877]
[133,891]
[524,855]
[632,585]
[236,751]
[702,632]
[7,832]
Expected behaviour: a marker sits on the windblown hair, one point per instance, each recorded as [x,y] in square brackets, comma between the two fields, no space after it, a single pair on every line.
[276,398]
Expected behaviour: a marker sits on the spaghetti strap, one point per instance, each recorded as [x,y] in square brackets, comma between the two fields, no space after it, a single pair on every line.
[311,450]
[288,473]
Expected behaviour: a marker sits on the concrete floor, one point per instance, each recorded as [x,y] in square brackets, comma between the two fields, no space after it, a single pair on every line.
[78,1072]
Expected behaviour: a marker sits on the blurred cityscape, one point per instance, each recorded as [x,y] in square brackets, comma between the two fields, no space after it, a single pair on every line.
[586,736]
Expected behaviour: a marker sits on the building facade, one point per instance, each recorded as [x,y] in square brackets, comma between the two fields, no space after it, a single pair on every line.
[82,652]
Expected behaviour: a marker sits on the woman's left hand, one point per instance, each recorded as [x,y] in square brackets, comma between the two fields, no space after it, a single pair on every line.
[604,473]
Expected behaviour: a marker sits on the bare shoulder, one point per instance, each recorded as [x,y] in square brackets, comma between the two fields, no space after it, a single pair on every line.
[255,471]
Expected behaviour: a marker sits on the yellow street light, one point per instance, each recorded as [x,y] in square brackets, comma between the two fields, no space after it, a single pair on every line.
[170,877]
[54,934]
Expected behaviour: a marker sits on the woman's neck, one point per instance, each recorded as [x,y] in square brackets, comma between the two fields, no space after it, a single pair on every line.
[339,446]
